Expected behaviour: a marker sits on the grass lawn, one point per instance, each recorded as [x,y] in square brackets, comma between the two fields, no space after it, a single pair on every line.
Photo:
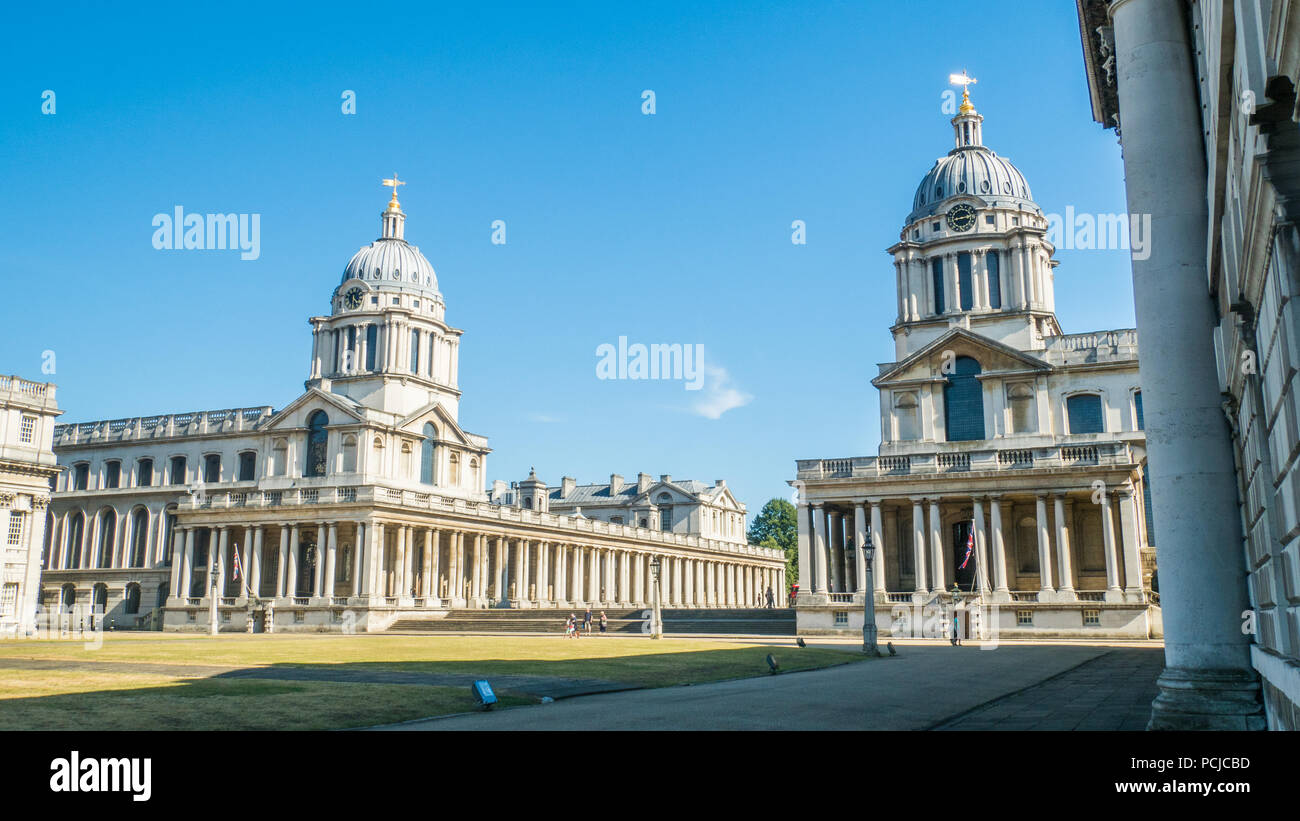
[153,699]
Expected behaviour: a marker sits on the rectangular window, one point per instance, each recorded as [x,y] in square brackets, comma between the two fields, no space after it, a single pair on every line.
[1092,618]
[936,267]
[995,279]
[16,527]
[415,351]
[965,288]
[112,474]
[1024,618]
[144,475]
[372,344]
[1084,412]
[9,599]
[1137,406]
[26,429]
[80,476]
[247,464]
[841,618]
[178,470]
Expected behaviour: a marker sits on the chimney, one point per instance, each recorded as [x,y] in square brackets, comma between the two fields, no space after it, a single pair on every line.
[498,490]
[665,478]
[642,482]
[720,482]
[615,484]
[567,485]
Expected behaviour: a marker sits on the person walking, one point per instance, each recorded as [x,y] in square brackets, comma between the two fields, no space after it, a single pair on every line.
[586,621]
[604,622]
[568,625]
[771,598]
[956,629]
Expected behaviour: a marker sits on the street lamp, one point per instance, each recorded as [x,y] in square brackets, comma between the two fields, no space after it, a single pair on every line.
[212,594]
[656,623]
[868,600]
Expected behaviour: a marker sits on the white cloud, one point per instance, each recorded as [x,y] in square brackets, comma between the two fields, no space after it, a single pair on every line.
[719,395]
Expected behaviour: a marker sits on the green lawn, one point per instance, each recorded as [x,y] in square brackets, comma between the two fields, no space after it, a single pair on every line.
[168,699]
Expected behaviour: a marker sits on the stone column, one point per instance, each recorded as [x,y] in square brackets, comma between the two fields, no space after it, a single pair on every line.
[359,552]
[1128,517]
[1000,589]
[579,589]
[503,570]
[918,546]
[1065,592]
[859,543]
[937,553]
[476,568]
[187,565]
[428,571]
[282,568]
[804,544]
[1047,591]
[981,548]
[677,581]
[331,556]
[835,550]
[1113,591]
[255,564]
[317,584]
[593,575]
[819,549]
[1208,681]
[878,543]
[177,560]
[223,544]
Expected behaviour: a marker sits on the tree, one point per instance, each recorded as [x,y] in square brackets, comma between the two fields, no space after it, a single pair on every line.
[777,527]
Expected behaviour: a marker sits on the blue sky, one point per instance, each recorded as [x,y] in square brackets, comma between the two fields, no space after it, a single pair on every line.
[673,227]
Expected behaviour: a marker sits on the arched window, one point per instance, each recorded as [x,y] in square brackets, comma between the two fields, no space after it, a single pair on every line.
[1137,409]
[453,470]
[169,534]
[1084,412]
[428,450]
[164,590]
[350,453]
[474,481]
[963,402]
[131,605]
[377,456]
[317,440]
[69,598]
[406,460]
[107,532]
[1020,397]
[99,598]
[665,512]
[76,536]
[905,411]
[139,536]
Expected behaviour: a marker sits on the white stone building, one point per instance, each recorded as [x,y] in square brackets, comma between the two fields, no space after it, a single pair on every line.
[992,421]
[683,506]
[1202,95]
[27,471]
[359,502]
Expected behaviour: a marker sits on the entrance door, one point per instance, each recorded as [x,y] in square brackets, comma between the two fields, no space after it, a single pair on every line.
[306,568]
[964,576]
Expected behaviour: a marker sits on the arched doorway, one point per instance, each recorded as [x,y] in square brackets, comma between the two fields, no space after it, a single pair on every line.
[131,604]
[68,599]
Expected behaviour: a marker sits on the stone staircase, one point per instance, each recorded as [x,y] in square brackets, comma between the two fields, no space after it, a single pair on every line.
[777,622]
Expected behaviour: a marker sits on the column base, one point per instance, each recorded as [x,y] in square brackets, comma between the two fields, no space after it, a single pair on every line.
[1114,594]
[1047,594]
[1066,594]
[1000,597]
[1207,700]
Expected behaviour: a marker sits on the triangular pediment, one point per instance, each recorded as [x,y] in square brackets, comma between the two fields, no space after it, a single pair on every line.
[448,429]
[927,362]
[293,414]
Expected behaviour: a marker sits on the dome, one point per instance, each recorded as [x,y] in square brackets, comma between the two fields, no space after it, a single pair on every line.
[972,171]
[392,262]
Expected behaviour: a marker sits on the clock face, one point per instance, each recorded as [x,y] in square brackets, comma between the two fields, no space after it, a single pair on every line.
[961,217]
[352,299]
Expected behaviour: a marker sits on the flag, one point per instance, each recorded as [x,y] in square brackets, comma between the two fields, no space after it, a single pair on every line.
[970,547]
[238,567]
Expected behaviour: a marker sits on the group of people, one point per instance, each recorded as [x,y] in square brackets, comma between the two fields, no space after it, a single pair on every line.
[573,628]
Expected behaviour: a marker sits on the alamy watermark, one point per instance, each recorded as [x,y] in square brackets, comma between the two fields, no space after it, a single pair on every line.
[209,232]
[684,362]
[1100,232]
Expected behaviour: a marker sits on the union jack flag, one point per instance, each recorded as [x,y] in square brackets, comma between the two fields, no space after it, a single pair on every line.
[238,568]
[970,547]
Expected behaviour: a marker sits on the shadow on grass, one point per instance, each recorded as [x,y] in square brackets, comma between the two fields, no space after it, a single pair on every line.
[118,695]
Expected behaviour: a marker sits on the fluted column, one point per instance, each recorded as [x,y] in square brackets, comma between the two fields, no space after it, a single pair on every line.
[1113,591]
[331,550]
[860,543]
[919,546]
[360,550]
[1129,534]
[819,548]
[282,567]
[428,567]
[981,548]
[804,543]
[878,543]
[937,558]
[1000,589]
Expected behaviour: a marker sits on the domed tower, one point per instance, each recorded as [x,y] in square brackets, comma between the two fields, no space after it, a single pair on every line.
[385,344]
[974,250]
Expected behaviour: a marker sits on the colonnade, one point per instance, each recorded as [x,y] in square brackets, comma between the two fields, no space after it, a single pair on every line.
[831,534]
[405,564]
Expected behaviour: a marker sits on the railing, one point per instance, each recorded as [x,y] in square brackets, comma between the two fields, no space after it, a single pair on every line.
[19,385]
[1016,458]
[347,494]
[1092,595]
[302,601]
[898,598]
[228,601]
[895,464]
[338,600]
[1024,595]
[950,459]
[954,461]
[193,601]
[177,424]
[840,598]
[1079,455]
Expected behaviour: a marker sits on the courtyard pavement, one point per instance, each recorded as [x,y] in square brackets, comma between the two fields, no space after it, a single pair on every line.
[1030,686]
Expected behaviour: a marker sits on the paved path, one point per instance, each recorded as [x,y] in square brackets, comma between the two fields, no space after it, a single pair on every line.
[923,687]
[539,686]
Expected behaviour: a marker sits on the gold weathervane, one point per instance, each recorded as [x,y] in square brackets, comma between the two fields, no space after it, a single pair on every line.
[965,81]
[393,183]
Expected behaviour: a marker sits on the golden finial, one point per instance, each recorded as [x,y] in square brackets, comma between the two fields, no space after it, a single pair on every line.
[393,183]
[965,81]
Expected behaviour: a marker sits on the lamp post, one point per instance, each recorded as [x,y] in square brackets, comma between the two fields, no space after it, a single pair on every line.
[868,600]
[212,594]
[656,623]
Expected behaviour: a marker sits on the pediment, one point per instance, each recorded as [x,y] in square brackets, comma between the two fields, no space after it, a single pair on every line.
[294,415]
[928,362]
